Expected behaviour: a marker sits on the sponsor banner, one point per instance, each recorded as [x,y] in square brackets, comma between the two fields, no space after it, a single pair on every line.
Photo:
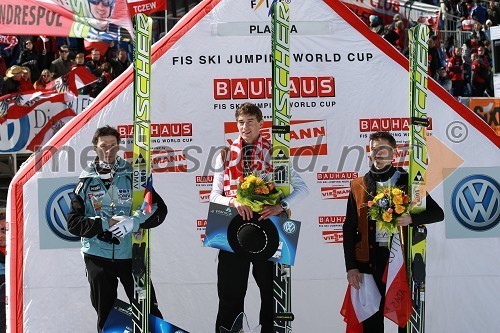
[146,6]
[333,236]
[164,159]
[54,202]
[488,109]
[205,195]
[94,19]
[343,177]
[307,137]
[204,180]
[473,203]
[335,192]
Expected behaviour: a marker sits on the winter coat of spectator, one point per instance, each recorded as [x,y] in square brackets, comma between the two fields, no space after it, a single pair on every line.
[43,80]
[400,30]
[463,10]
[103,80]
[480,76]
[375,24]
[3,67]
[12,81]
[455,69]
[94,64]
[443,79]
[120,63]
[29,58]
[493,13]
[479,13]
[26,84]
[390,35]
[434,59]
[61,65]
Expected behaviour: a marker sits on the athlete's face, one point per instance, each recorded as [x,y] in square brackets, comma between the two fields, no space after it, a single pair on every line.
[249,128]
[100,9]
[106,148]
[381,153]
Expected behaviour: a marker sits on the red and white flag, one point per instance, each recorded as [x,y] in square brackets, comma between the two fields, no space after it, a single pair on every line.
[76,78]
[53,125]
[360,304]
[397,305]
[146,6]
[16,106]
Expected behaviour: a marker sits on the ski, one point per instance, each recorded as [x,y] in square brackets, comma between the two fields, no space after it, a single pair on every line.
[416,236]
[141,170]
[281,149]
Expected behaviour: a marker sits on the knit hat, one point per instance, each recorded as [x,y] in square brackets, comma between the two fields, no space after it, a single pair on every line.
[373,18]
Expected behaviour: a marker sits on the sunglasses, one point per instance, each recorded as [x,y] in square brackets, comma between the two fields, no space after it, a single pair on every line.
[105,3]
[63,51]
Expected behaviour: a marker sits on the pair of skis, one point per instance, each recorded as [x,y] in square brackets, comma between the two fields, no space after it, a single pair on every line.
[416,238]
[280,12]
[141,171]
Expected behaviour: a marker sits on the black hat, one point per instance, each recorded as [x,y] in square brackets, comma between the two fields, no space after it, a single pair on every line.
[257,240]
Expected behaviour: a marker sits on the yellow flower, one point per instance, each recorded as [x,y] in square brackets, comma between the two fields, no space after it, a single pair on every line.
[397,199]
[378,197]
[387,217]
[400,209]
[245,185]
[396,191]
[259,181]
[251,179]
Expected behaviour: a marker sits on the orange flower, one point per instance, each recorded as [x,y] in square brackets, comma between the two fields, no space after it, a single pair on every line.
[265,190]
[271,186]
[397,199]
[387,217]
[258,190]
[400,209]
[370,203]
[241,179]
[390,210]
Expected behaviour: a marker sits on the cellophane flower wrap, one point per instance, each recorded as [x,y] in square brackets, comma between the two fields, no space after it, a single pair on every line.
[387,206]
[256,191]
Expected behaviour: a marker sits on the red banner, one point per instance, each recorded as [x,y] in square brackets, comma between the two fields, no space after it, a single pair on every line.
[146,6]
[76,18]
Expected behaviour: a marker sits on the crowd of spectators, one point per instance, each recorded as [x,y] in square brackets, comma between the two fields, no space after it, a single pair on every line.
[462,65]
[36,60]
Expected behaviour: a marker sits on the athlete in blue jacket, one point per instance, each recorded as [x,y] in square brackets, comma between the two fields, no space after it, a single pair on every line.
[101,213]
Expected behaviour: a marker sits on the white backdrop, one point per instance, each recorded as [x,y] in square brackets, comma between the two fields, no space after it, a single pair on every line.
[348,82]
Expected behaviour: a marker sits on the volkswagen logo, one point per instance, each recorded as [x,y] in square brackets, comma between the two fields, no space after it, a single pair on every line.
[289,227]
[475,202]
[14,135]
[57,207]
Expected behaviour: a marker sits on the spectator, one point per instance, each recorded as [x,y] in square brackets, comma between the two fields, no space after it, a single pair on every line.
[44,79]
[26,84]
[103,80]
[375,24]
[29,58]
[47,49]
[493,13]
[390,35]
[479,13]
[443,79]
[94,64]
[463,10]
[61,65]
[480,76]
[481,52]
[13,80]
[400,30]
[455,70]
[434,61]
[80,61]
[120,63]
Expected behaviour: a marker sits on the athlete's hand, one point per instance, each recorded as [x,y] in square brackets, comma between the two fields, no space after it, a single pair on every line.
[123,227]
[244,211]
[354,277]
[404,220]
[269,211]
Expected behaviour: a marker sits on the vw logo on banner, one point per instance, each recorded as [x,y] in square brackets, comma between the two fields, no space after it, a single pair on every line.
[476,202]
[289,227]
[58,206]
[14,135]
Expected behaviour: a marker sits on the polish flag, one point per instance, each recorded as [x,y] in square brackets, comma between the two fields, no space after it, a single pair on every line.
[360,304]
[397,305]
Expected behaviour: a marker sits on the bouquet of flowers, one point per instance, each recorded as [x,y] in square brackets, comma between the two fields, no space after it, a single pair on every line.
[387,206]
[256,191]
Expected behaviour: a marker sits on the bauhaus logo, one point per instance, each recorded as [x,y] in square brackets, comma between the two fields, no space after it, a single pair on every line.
[476,202]
[260,88]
